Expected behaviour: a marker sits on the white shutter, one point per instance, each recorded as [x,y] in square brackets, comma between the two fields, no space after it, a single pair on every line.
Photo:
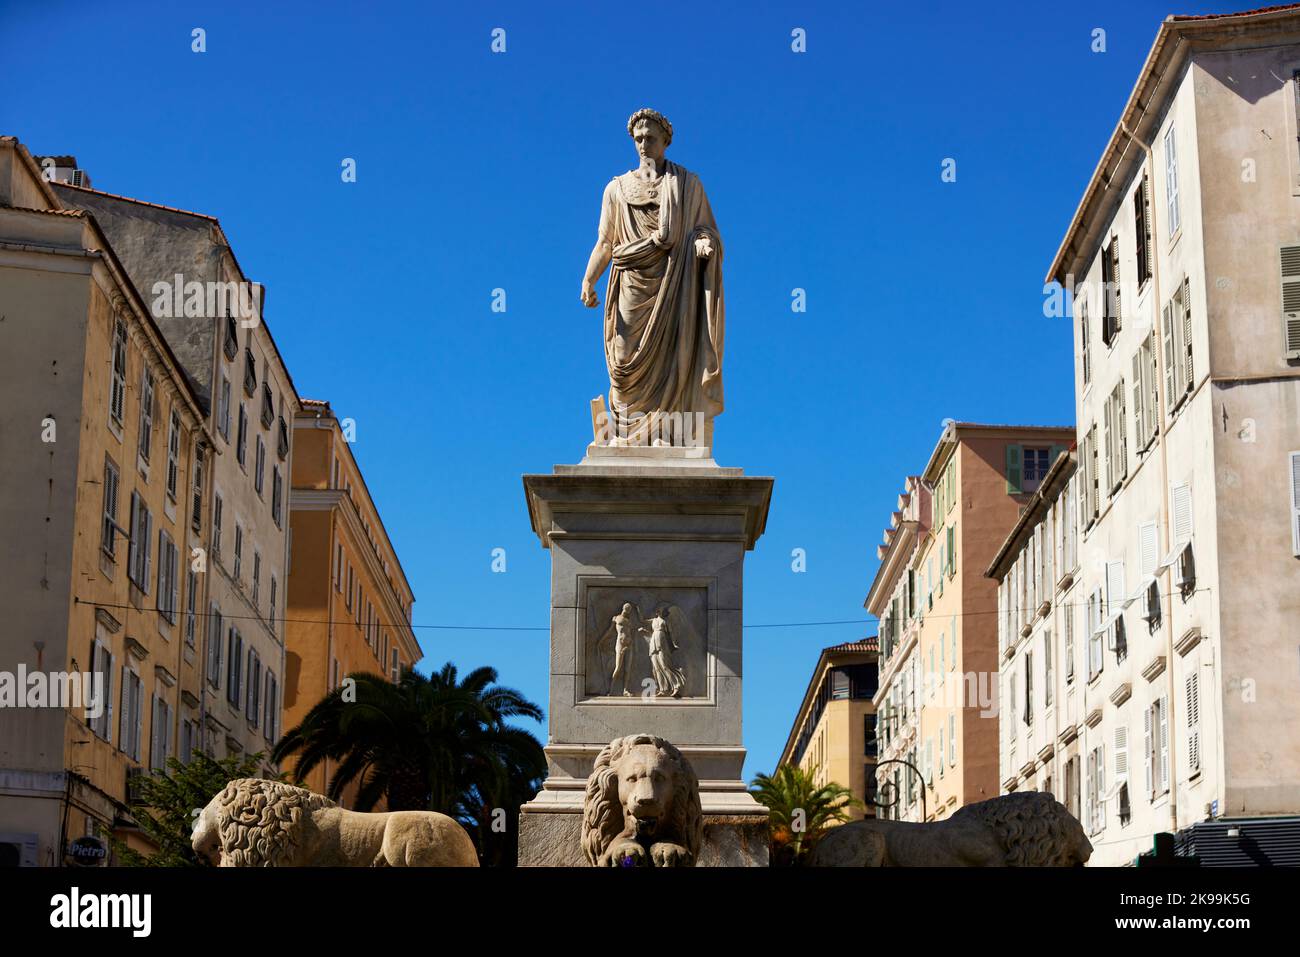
[1182,496]
[1295,503]
[109,671]
[1193,722]
[1149,747]
[1109,442]
[1164,744]
[1290,256]
[1188,374]
[1171,180]
[1114,586]
[1167,334]
[1121,753]
[1101,787]
[1149,546]
[1139,413]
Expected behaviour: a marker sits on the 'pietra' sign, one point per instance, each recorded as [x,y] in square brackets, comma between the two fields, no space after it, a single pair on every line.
[87,851]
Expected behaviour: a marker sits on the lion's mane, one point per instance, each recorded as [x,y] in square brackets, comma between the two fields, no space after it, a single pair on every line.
[1033,828]
[260,822]
[602,816]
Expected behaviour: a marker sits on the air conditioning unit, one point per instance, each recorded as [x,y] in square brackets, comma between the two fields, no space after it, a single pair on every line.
[17,850]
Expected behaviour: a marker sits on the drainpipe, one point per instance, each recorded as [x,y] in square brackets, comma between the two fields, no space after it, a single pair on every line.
[1162,411]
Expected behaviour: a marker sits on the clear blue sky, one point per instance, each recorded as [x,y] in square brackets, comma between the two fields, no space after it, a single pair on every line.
[478,170]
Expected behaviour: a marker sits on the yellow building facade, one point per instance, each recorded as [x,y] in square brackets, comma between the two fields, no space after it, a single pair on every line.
[349,601]
[103,495]
[834,733]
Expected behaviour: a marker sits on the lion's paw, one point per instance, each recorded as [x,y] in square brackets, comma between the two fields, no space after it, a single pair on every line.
[670,855]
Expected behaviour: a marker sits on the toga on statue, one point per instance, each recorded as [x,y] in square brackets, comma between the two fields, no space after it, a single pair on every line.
[663,308]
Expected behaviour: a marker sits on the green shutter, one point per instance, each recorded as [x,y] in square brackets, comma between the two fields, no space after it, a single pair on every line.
[1013,470]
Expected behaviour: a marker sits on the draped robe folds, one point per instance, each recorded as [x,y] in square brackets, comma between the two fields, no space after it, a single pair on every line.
[663,314]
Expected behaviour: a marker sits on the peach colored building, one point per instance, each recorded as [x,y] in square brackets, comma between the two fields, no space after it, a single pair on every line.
[349,600]
[939,632]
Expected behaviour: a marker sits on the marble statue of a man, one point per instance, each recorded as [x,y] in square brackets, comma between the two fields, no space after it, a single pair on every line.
[663,309]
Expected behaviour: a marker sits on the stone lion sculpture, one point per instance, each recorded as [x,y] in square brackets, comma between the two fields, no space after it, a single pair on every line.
[642,807]
[260,823]
[1023,829]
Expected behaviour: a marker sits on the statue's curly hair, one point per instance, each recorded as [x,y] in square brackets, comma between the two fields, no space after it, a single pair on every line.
[259,821]
[649,114]
[602,811]
[1034,829]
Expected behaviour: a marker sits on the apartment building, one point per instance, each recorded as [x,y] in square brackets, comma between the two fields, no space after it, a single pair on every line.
[834,732]
[213,318]
[939,656]
[103,444]
[349,600]
[1042,646]
[893,600]
[1184,262]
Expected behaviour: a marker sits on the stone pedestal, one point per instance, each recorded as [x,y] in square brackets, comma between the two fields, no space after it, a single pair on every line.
[665,531]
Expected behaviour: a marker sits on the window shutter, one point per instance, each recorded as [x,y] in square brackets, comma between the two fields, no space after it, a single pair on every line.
[1291,299]
[1139,412]
[108,696]
[1149,746]
[1295,503]
[1108,441]
[1121,752]
[1149,543]
[1182,496]
[1013,470]
[1118,322]
[147,570]
[1167,334]
[1164,744]
[1188,377]
[1114,586]
[1139,230]
[123,731]
[133,547]
[1101,786]
[1193,722]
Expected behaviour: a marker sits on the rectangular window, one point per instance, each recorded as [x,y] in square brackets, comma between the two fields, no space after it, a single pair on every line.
[1294,461]
[338,568]
[1110,323]
[216,524]
[277,493]
[173,454]
[107,535]
[395,670]
[239,550]
[1193,691]
[1083,342]
[1116,440]
[1290,257]
[1171,181]
[196,516]
[1029,689]
[139,557]
[270,611]
[241,440]
[235,664]
[132,715]
[102,663]
[146,416]
[167,570]
[253,707]
[952,738]
[160,735]
[191,610]
[272,699]
[1142,228]
[1047,669]
[215,633]
[117,391]
[223,408]
[257,578]
[259,465]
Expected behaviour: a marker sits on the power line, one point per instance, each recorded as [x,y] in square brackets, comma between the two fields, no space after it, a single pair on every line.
[440,627]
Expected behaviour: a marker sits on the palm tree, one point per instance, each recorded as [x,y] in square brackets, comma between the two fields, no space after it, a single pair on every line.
[431,743]
[799,811]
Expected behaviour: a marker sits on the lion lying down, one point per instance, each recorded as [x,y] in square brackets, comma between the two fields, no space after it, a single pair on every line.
[1025,829]
[259,823]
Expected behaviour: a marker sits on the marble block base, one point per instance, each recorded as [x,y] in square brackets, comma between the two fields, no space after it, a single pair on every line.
[639,535]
